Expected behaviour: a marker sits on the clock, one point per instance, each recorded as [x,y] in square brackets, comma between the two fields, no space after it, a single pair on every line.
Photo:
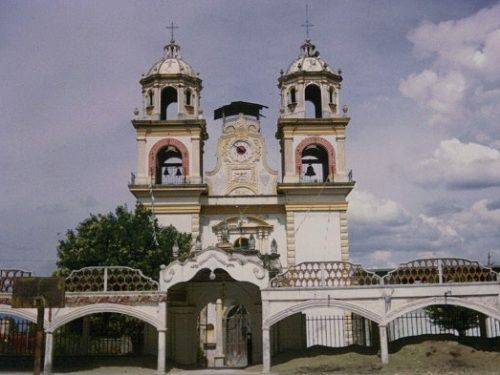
[241,151]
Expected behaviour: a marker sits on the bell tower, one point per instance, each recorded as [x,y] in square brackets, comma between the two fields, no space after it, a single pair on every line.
[170,134]
[315,181]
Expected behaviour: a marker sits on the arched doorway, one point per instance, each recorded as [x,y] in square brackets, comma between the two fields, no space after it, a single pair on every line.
[214,321]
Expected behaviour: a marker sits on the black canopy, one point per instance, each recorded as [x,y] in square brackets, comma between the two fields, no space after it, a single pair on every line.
[236,108]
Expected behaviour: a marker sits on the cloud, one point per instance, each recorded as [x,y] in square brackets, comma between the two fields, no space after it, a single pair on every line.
[441,93]
[460,85]
[470,232]
[366,209]
[457,165]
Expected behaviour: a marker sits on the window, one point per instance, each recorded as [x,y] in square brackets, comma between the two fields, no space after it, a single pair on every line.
[150,98]
[314,164]
[188,97]
[293,98]
[313,97]
[169,166]
[168,109]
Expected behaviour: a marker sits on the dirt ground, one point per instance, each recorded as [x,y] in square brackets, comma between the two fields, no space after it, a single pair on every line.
[428,357]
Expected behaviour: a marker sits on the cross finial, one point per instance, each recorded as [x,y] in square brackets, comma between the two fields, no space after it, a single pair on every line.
[172,27]
[307,24]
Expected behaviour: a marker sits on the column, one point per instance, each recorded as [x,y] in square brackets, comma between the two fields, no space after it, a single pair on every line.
[384,350]
[49,351]
[219,337]
[288,159]
[340,167]
[162,348]
[266,351]
[142,159]
[195,161]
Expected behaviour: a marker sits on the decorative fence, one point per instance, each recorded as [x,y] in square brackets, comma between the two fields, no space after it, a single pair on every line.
[440,270]
[109,279]
[420,271]
[324,274]
[7,277]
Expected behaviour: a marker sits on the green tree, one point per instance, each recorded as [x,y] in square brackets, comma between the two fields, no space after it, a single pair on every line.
[454,317]
[120,238]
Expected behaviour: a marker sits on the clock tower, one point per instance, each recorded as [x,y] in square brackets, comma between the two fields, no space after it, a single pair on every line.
[241,167]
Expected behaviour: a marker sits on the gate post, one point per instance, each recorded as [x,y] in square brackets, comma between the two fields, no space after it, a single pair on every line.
[266,350]
[161,351]
[384,350]
[49,351]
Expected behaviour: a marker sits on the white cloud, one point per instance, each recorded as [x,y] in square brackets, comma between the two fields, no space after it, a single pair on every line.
[459,86]
[365,208]
[468,233]
[458,165]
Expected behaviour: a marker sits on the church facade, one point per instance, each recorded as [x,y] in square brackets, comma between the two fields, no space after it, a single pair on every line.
[248,221]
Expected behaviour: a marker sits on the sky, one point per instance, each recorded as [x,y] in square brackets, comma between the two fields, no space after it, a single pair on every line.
[421,79]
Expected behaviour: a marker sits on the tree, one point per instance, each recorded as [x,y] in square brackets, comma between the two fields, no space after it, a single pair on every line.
[122,238]
[454,317]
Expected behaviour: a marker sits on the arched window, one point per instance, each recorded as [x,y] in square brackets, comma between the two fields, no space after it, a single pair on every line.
[314,164]
[187,97]
[168,97]
[169,166]
[293,96]
[331,95]
[313,96]
[150,98]
[241,243]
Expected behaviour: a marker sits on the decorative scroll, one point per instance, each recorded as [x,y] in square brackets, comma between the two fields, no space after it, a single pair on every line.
[7,278]
[440,270]
[109,279]
[324,274]
[123,299]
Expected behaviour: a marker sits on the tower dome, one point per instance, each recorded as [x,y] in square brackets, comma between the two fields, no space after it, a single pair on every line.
[309,79]
[172,63]
[308,60]
[171,88]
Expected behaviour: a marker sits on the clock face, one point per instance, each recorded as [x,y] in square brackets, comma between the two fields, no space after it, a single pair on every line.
[241,151]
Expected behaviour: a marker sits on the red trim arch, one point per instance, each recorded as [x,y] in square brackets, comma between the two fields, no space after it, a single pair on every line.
[168,142]
[315,141]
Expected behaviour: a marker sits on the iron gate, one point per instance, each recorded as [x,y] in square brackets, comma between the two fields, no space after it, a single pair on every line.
[238,339]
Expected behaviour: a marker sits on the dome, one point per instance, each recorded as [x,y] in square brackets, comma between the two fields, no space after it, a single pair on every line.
[309,61]
[172,63]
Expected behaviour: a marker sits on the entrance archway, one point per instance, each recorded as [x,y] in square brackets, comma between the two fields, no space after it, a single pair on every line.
[214,321]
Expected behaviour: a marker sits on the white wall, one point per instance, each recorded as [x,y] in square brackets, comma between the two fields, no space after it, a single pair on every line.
[317,236]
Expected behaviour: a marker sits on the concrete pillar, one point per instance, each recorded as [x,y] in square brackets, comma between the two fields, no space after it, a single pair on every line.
[49,352]
[195,160]
[384,349]
[340,167]
[142,159]
[219,334]
[162,349]
[266,351]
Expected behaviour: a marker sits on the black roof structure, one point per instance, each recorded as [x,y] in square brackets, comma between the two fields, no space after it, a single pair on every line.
[235,108]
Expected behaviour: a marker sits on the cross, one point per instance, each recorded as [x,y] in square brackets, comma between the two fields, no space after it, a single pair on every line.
[307,24]
[172,27]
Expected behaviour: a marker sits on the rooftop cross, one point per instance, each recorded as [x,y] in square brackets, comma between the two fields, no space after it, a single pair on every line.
[307,24]
[172,27]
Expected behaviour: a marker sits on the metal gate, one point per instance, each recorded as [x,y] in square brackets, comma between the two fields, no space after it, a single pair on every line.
[238,338]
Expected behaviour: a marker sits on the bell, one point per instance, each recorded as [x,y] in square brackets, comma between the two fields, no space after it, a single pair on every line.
[165,173]
[178,173]
[310,171]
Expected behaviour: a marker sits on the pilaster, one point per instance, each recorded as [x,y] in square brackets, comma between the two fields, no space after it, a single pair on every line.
[290,238]
[344,237]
